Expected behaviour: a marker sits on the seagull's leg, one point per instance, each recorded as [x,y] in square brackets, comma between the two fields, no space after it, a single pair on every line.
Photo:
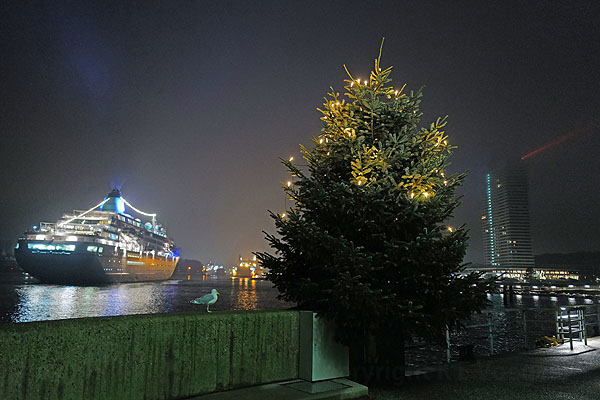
[207,308]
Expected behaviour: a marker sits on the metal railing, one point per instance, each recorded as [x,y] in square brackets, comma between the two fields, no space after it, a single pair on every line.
[567,322]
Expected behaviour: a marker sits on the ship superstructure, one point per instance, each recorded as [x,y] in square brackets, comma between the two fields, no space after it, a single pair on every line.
[104,244]
[247,268]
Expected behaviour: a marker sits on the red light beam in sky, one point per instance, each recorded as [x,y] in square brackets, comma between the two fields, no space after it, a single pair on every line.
[561,139]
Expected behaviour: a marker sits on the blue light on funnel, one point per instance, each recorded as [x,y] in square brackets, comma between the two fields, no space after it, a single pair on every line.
[114,203]
[120,205]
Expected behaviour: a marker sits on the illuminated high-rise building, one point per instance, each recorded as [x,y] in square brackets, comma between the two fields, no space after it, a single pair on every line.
[505,221]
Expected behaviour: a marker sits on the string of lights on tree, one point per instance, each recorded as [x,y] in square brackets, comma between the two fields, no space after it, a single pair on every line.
[350,121]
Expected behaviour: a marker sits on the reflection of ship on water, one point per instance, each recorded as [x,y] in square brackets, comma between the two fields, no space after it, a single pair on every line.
[248,268]
[245,296]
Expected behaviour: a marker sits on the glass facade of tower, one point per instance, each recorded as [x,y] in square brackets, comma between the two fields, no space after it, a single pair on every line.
[505,220]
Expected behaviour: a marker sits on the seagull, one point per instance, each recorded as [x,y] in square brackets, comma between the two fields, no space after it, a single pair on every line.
[208,299]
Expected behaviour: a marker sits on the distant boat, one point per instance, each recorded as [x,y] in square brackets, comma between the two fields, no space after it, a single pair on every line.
[248,268]
[104,244]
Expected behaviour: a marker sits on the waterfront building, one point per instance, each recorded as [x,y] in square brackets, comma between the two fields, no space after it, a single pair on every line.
[505,221]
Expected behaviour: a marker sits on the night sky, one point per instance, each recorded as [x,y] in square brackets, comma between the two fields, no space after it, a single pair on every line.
[186,105]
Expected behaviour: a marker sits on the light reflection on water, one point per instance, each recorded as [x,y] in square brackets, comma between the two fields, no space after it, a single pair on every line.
[21,301]
[25,302]
[244,297]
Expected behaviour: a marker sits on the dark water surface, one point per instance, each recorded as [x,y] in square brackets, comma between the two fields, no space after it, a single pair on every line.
[24,300]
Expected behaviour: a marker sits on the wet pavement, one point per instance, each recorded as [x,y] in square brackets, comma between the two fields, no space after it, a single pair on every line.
[557,373]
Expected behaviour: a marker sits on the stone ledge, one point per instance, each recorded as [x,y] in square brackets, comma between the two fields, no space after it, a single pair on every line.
[339,389]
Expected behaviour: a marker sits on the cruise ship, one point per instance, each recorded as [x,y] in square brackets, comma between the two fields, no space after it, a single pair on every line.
[109,243]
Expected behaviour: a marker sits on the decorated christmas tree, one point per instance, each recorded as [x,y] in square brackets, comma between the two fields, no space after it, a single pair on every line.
[366,242]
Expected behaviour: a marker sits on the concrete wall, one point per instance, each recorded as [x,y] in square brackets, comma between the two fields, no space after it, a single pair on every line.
[160,356]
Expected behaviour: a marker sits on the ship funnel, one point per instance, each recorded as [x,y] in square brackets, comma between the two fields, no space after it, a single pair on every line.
[115,202]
